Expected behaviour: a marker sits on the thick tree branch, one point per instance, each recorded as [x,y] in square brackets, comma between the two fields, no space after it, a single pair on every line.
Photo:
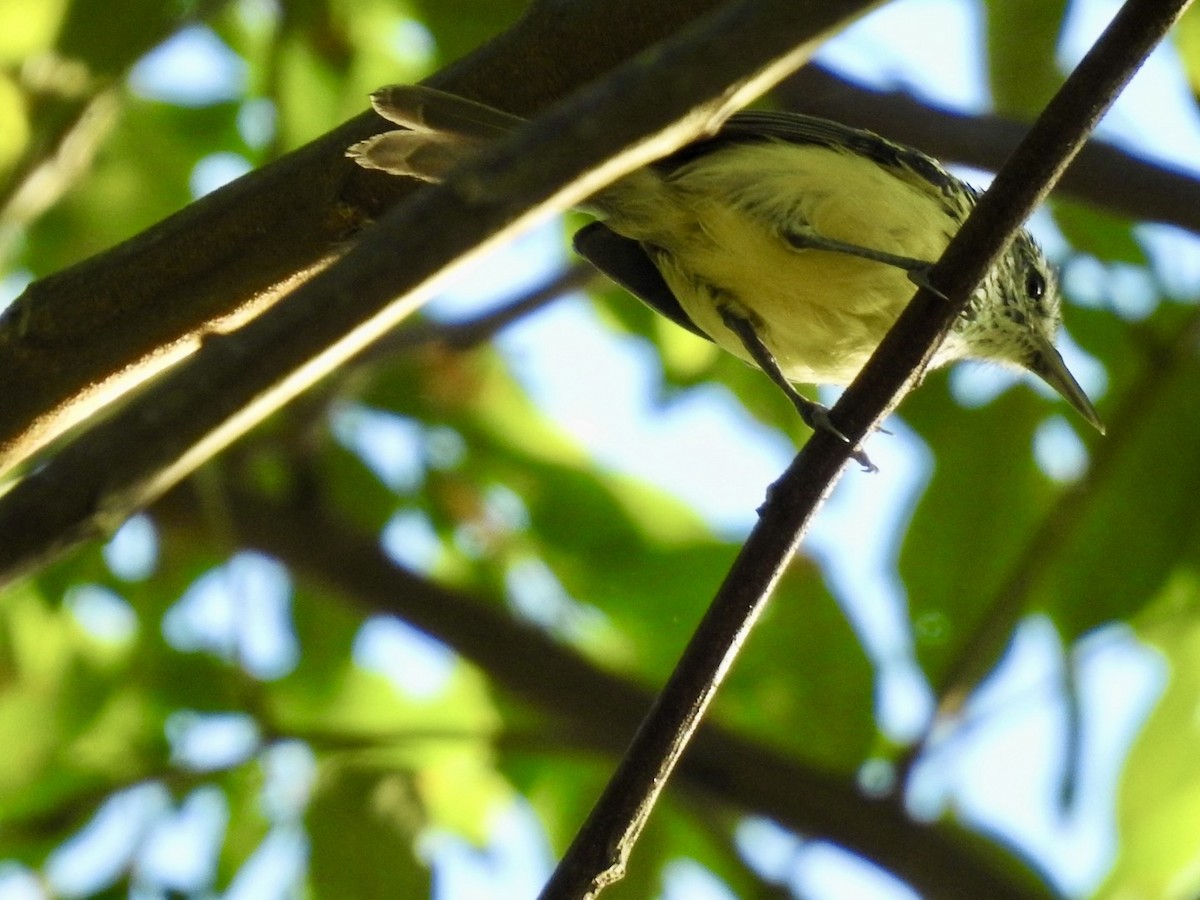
[602,710]
[643,110]
[77,339]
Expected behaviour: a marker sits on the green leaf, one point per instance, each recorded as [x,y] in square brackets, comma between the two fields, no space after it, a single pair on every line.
[975,519]
[803,682]
[1104,235]
[1137,520]
[1022,40]
[27,29]
[109,37]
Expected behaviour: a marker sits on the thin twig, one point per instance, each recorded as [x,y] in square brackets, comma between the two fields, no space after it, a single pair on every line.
[482,328]
[601,848]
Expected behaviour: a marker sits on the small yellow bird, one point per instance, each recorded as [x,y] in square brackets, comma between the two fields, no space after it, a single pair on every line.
[791,241]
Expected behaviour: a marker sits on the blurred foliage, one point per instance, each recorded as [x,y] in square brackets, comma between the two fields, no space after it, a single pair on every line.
[366,772]
[1021,43]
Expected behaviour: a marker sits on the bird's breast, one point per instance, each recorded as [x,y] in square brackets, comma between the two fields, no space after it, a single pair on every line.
[717,229]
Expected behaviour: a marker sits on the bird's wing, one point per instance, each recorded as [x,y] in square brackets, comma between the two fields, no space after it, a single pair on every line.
[796,128]
[626,262]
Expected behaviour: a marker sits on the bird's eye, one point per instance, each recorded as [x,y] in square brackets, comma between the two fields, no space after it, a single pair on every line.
[1035,284]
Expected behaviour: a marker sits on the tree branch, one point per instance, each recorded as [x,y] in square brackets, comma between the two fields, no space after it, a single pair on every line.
[643,110]
[1102,175]
[79,338]
[482,328]
[598,854]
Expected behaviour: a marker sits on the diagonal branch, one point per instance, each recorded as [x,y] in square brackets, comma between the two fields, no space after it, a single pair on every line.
[79,338]
[600,850]
[479,330]
[643,110]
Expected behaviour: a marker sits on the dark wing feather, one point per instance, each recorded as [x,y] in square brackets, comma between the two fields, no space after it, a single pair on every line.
[627,263]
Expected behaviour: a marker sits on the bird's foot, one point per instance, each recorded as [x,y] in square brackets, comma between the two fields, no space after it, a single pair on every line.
[816,416]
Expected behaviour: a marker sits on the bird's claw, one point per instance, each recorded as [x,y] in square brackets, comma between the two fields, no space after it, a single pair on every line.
[816,416]
[919,275]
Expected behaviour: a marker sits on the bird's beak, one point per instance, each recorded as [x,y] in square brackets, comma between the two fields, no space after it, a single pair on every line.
[1049,366]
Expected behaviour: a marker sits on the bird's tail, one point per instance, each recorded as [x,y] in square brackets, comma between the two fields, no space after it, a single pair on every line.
[442,130]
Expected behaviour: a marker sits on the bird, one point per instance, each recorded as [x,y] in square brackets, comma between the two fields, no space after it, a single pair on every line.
[791,241]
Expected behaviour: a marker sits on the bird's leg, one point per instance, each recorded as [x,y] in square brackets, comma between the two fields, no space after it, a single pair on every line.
[916,269]
[814,415]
